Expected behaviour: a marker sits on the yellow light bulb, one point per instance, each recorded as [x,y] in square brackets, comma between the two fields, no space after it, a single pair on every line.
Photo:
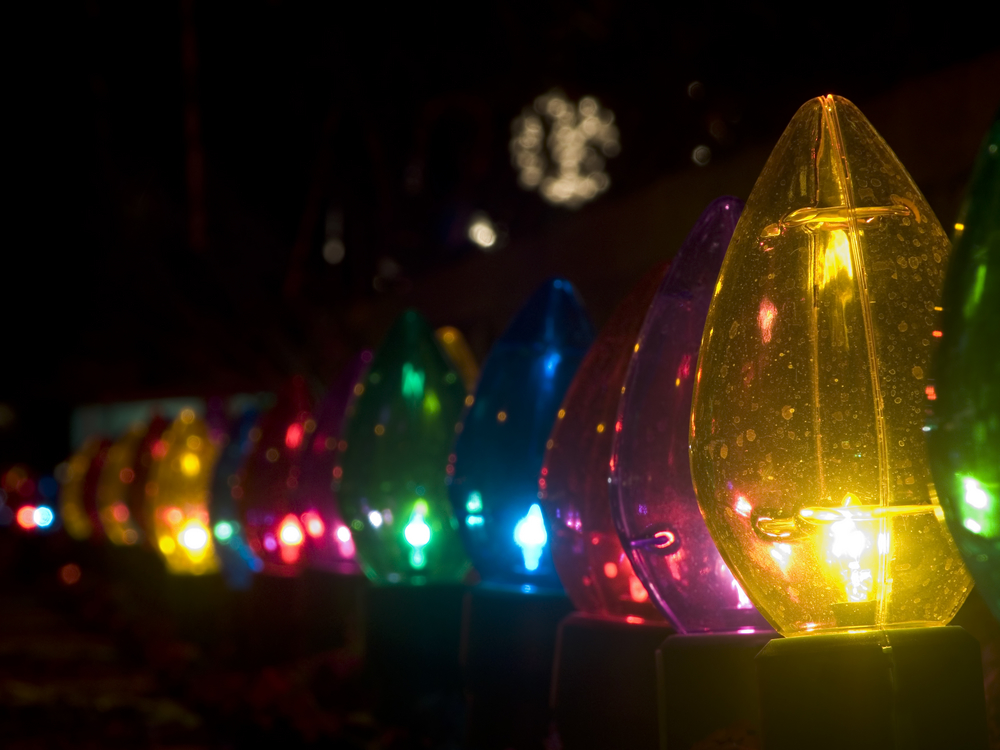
[807,448]
[72,506]
[113,486]
[179,506]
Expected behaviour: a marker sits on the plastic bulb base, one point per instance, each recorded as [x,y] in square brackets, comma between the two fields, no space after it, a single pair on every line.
[412,638]
[707,690]
[508,645]
[604,682]
[907,689]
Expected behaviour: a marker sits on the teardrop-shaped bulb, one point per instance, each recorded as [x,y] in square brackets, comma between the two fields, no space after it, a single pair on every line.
[807,448]
[399,432]
[498,456]
[329,544]
[238,560]
[457,350]
[270,476]
[652,498]
[113,485]
[177,496]
[78,490]
[964,437]
[573,485]
[135,495]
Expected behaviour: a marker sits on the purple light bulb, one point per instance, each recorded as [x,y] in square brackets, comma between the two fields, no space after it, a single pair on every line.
[653,502]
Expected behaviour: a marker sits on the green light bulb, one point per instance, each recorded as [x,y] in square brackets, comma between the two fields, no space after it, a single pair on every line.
[399,433]
[964,437]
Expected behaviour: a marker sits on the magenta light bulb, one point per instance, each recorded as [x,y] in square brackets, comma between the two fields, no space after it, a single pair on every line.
[573,487]
[652,498]
[328,542]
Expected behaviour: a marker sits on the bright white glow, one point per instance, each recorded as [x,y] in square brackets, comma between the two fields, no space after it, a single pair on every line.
[193,537]
[531,537]
[417,532]
[743,506]
[375,518]
[782,554]
[334,250]
[473,521]
[850,542]
[474,504]
[43,516]
[972,526]
[482,232]
[343,534]
[568,165]
[290,532]
[975,495]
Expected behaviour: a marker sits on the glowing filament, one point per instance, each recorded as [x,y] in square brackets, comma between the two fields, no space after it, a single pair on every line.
[290,533]
[190,465]
[531,537]
[193,537]
[413,383]
[314,524]
[848,545]
[837,257]
[417,533]
[293,435]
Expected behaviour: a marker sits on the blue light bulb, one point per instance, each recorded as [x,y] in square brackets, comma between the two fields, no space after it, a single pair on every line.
[498,455]
[239,562]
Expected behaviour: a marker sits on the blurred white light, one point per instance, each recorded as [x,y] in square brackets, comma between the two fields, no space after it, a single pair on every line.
[482,232]
[701,155]
[333,250]
[567,164]
[194,537]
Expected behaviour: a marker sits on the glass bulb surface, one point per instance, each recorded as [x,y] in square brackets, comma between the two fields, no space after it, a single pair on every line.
[398,434]
[150,448]
[653,502]
[270,477]
[238,560]
[177,496]
[573,486]
[329,544]
[113,485]
[457,350]
[498,455]
[78,490]
[807,448]
[964,430]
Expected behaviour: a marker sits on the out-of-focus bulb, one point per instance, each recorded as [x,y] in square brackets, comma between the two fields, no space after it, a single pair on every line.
[177,495]
[807,448]
[193,537]
[397,438]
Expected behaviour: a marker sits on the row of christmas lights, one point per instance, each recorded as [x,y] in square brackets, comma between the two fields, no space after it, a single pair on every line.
[761,411]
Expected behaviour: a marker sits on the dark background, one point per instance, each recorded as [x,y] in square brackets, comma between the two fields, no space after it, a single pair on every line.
[171,166]
[170,170]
